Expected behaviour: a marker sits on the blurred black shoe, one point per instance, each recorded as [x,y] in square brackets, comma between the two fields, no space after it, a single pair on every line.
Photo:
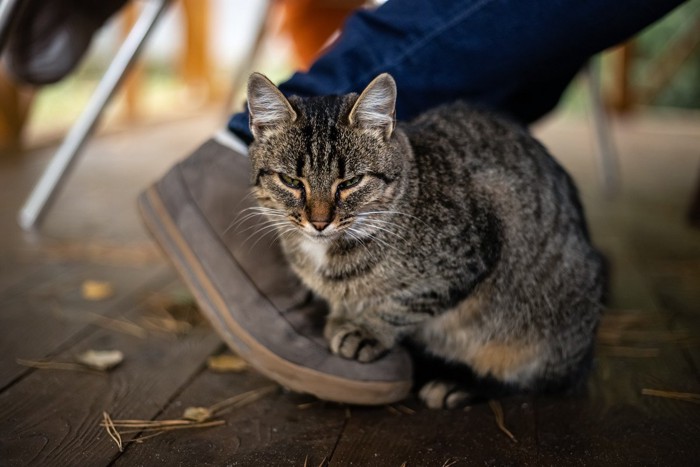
[49,37]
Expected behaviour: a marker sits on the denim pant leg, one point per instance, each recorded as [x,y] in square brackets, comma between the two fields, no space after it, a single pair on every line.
[513,56]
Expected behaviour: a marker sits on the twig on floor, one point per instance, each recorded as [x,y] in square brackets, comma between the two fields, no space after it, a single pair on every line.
[49,365]
[627,352]
[497,410]
[194,417]
[681,396]
[112,430]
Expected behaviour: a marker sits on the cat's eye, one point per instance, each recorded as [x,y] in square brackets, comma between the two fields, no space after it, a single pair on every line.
[291,182]
[349,183]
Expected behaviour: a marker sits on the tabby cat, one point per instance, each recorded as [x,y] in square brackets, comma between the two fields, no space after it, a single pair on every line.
[456,233]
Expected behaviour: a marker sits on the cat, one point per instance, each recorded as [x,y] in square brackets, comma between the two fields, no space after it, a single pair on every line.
[456,233]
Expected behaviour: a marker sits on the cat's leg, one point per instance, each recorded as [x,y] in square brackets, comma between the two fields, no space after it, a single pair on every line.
[366,334]
[444,394]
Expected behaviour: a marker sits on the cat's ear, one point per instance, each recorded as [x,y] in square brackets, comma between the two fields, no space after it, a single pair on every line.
[267,105]
[375,109]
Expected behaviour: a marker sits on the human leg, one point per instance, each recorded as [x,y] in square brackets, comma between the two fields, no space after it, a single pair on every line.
[514,57]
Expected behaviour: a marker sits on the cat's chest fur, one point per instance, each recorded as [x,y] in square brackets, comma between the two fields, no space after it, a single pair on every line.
[314,252]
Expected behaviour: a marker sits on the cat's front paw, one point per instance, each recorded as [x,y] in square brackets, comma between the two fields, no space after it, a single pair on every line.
[353,342]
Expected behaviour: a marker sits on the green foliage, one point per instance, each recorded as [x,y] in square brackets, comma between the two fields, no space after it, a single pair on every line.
[651,45]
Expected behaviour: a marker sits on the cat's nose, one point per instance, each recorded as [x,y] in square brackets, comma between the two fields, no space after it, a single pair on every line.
[320,225]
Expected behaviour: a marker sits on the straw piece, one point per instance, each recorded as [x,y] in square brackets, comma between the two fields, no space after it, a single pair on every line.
[497,410]
[49,365]
[168,427]
[681,396]
[194,417]
[119,325]
[112,431]
[628,352]
[141,439]
[307,405]
[166,324]
[241,399]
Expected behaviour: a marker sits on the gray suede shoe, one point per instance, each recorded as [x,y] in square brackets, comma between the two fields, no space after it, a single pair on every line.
[244,286]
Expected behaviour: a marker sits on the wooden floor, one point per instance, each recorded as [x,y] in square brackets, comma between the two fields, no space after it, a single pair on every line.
[650,338]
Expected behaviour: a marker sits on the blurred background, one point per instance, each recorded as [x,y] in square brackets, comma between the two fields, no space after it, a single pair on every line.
[193,62]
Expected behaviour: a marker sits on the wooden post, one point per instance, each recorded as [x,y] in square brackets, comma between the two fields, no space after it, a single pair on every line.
[620,99]
[196,64]
[134,79]
[16,103]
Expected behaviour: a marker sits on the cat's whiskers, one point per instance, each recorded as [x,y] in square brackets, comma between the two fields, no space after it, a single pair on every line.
[241,201]
[265,222]
[265,229]
[361,241]
[281,233]
[270,230]
[370,223]
[257,210]
[399,213]
[373,237]
[266,219]
[382,221]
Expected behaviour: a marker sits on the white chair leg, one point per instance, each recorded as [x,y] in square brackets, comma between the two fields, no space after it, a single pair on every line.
[608,167]
[46,189]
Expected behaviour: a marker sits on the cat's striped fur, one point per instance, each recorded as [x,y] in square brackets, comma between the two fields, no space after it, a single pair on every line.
[462,235]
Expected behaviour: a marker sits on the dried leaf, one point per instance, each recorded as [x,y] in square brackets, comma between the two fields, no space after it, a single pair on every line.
[197,414]
[226,363]
[101,360]
[96,290]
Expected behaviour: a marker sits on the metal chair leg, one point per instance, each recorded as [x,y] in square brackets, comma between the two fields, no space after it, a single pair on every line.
[46,189]
[608,167]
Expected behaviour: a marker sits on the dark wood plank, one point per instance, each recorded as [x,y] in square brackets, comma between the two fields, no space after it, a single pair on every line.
[613,423]
[46,311]
[51,417]
[670,252]
[378,436]
[13,273]
[271,431]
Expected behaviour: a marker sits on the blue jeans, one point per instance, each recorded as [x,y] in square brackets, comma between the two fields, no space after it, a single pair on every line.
[513,56]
